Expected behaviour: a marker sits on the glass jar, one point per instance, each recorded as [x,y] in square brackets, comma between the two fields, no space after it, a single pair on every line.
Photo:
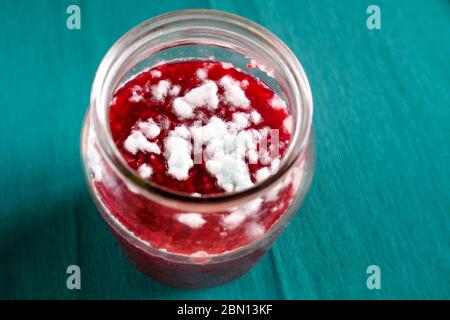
[120,193]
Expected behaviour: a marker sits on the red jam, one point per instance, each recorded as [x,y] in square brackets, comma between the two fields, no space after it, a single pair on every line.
[149,110]
[135,102]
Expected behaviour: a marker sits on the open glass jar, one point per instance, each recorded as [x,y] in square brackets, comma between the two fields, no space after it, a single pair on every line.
[130,204]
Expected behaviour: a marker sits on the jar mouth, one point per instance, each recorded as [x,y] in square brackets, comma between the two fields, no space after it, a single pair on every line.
[128,49]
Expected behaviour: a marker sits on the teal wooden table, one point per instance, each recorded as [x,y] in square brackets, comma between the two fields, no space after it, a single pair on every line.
[381,191]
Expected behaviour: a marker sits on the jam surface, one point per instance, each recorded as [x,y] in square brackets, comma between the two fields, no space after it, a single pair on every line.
[146,108]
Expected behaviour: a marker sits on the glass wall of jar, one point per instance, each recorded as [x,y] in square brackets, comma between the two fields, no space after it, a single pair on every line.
[143,215]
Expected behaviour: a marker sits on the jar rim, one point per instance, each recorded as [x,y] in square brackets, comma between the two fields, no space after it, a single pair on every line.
[100,103]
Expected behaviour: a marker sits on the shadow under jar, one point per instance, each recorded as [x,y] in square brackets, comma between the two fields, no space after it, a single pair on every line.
[143,215]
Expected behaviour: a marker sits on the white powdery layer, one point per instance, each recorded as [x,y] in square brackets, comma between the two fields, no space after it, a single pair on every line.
[231,173]
[255,117]
[192,220]
[226,149]
[228,145]
[277,103]
[161,90]
[273,194]
[145,171]
[175,91]
[227,65]
[254,230]
[178,150]
[201,74]
[240,120]
[149,128]
[234,93]
[287,124]
[136,141]
[236,217]
[264,173]
[136,94]
[204,95]
[156,73]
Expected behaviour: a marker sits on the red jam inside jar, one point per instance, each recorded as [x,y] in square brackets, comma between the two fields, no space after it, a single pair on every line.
[146,103]
[223,102]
